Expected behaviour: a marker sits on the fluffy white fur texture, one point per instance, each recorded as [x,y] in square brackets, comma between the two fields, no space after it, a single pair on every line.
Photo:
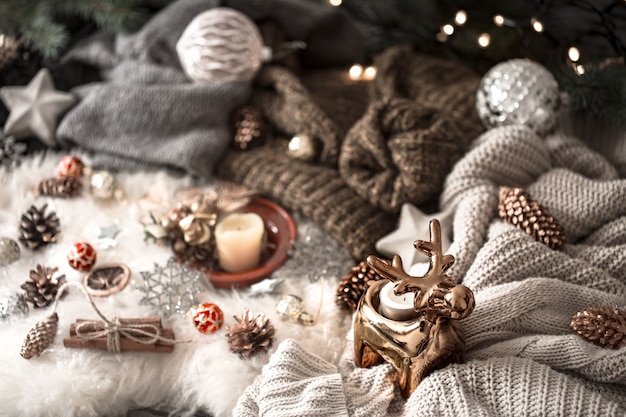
[76,382]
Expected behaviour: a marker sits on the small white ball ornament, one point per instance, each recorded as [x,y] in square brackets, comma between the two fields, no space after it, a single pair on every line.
[221,45]
[518,92]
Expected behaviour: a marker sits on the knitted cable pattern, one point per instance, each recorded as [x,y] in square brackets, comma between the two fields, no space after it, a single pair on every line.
[522,358]
[420,121]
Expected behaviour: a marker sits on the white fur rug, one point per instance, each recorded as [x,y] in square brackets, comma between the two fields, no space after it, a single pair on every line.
[76,382]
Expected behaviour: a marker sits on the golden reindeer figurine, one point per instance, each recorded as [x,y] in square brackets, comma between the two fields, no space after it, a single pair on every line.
[431,340]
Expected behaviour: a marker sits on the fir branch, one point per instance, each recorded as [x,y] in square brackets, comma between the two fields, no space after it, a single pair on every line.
[601,90]
[41,24]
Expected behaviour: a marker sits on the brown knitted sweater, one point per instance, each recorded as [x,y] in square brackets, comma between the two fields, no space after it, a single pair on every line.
[376,151]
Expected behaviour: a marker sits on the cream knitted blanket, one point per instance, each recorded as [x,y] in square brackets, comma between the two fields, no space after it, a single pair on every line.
[522,358]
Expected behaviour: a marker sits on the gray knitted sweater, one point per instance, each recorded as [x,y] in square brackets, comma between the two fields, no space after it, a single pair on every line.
[522,358]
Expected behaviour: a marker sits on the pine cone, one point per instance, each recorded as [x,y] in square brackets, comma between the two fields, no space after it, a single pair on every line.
[43,287]
[249,127]
[251,335]
[67,186]
[40,337]
[38,229]
[194,255]
[8,50]
[354,285]
[519,209]
[604,326]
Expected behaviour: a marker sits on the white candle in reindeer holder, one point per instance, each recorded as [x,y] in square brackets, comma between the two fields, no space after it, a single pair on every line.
[239,239]
[396,307]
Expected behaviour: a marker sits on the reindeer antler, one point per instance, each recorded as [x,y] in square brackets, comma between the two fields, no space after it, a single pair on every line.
[430,289]
[438,261]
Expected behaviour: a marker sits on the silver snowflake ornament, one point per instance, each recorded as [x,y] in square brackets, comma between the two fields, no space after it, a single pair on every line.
[171,288]
[316,255]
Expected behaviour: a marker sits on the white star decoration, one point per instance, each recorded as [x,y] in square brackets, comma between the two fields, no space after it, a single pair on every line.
[106,238]
[414,225]
[266,286]
[36,108]
[170,288]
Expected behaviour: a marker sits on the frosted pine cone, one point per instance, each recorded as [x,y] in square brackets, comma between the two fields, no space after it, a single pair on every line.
[38,229]
[40,337]
[604,326]
[251,335]
[43,287]
[519,209]
[354,285]
[67,186]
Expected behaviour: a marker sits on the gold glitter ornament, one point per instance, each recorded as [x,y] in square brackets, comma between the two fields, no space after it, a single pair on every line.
[291,308]
[8,50]
[302,147]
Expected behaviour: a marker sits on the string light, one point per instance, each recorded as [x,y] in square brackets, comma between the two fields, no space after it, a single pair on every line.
[498,20]
[441,37]
[460,18]
[335,3]
[448,29]
[356,71]
[484,40]
[580,70]
[536,25]
[574,54]
[370,73]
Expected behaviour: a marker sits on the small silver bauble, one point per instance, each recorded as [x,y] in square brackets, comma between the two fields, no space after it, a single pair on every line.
[302,147]
[9,251]
[13,306]
[518,92]
[220,44]
[291,308]
[103,185]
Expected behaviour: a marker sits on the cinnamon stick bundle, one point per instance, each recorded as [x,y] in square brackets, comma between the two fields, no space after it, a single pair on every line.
[126,344]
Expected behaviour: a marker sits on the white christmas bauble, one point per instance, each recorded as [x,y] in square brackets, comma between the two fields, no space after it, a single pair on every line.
[222,45]
[518,92]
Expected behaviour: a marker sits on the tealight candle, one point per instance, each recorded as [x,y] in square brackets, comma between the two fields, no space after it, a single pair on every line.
[239,241]
[396,307]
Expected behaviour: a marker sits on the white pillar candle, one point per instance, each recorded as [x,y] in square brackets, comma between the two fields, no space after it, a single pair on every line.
[239,241]
[396,307]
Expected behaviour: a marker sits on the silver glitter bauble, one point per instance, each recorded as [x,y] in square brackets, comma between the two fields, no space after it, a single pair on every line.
[9,251]
[222,45]
[13,305]
[518,92]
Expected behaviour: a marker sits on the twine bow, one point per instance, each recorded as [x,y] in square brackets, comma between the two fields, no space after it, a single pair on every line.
[146,334]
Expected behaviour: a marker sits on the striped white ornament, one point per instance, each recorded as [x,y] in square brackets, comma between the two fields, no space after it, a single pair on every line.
[220,45]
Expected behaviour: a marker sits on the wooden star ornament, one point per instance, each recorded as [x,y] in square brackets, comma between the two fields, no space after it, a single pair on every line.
[36,108]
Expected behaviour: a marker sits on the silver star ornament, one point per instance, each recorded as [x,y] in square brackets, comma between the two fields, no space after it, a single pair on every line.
[36,108]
